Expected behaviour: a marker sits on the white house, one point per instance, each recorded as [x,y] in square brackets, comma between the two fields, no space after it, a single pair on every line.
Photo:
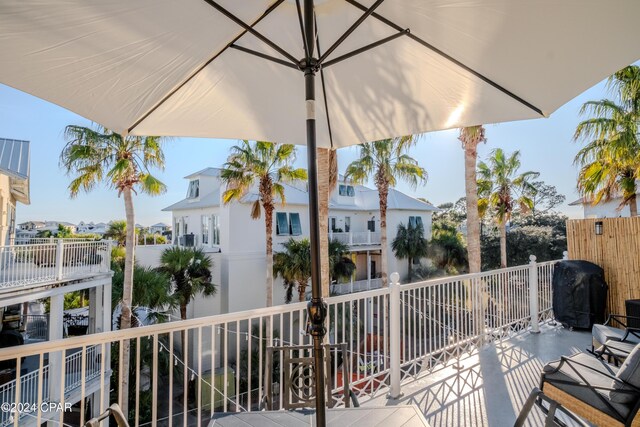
[610,209]
[159,228]
[237,242]
[14,184]
[91,228]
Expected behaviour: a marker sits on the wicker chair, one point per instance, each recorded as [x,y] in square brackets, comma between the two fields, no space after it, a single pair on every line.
[537,397]
[600,393]
[297,364]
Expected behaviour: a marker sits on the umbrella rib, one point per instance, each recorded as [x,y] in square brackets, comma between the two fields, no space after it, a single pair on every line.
[202,67]
[324,88]
[251,30]
[264,56]
[304,39]
[449,57]
[366,48]
[367,12]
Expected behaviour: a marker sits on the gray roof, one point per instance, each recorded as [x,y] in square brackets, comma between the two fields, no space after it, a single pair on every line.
[14,158]
[205,172]
[14,162]
[208,200]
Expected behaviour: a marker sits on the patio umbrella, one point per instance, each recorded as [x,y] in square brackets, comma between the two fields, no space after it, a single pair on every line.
[254,69]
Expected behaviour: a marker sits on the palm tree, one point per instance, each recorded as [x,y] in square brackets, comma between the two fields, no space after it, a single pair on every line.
[501,190]
[610,160]
[123,162]
[294,266]
[267,165]
[385,161]
[117,232]
[341,266]
[190,273]
[410,243]
[471,137]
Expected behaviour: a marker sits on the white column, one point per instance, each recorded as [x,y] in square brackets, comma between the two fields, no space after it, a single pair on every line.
[56,312]
[565,255]
[106,327]
[95,294]
[394,337]
[533,294]
[368,269]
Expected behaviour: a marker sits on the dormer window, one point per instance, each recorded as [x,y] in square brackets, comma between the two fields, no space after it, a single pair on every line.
[194,189]
[346,190]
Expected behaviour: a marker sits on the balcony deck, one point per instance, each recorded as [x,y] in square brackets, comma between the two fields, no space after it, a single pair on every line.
[489,387]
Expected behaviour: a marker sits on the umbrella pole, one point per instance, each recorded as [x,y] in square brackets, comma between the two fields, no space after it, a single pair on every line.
[316,308]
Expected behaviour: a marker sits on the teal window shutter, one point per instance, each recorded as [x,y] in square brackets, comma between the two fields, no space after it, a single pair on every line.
[296,228]
[282,225]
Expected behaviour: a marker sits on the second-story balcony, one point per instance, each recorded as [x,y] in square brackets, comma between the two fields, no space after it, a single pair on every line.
[459,337]
[44,262]
[357,238]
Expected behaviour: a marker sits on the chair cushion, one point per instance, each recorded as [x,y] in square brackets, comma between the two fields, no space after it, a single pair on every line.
[594,376]
[629,372]
[603,333]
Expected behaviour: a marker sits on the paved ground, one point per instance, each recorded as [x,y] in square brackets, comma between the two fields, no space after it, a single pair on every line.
[490,387]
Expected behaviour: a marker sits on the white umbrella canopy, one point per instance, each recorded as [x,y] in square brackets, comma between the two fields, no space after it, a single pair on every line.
[232,69]
[161,67]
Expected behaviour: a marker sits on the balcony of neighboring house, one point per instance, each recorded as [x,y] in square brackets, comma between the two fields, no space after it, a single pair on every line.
[40,263]
[35,276]
[464,354]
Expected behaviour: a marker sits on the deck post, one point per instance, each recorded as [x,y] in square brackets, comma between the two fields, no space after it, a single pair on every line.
[394,336]
[59,259]
[56,358]
[533,294]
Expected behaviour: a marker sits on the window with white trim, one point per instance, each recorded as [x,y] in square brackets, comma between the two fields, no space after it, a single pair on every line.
[288,224]
[346,190]
[204,219]
[194,189]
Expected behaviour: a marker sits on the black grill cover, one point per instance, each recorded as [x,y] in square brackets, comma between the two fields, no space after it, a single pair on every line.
[579,294]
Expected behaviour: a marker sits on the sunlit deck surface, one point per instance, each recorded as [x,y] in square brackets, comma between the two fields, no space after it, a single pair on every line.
[489,387]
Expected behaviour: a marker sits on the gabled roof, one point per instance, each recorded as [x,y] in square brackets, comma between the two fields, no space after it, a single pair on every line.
[205,172]
[208,200]
[14,162]
[160,224]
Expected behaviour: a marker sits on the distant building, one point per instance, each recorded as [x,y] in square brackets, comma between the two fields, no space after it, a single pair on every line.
[610,209]
[238,242]
[31,225]
[159,228]
[14,184]
[92,228]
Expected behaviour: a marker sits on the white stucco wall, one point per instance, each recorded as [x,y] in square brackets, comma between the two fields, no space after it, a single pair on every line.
[394,218]
[607,210]
[7,202]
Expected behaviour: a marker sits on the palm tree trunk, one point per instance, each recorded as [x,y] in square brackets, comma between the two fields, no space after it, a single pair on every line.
[127,294]
[268,222]
[633,205]
[503,244]
[324,189]
[302,292]
[473,217]
[268,227]
[383,191]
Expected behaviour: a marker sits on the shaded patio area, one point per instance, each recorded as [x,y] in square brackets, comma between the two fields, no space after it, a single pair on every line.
[490,387]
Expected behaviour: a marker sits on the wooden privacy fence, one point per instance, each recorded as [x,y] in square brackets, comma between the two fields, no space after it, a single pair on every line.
[617,250]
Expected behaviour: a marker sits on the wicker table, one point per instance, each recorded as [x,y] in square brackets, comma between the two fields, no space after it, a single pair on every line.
[406,416]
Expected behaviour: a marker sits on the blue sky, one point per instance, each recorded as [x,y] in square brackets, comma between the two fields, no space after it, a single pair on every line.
[545,144]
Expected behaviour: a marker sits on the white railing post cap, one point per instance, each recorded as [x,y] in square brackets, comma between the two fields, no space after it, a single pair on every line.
[395,278]
[532,258]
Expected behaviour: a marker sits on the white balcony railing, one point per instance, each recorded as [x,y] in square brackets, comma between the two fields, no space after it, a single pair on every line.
[36,264]
[356,286]
[183,372]
[74,372]
[357,238]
